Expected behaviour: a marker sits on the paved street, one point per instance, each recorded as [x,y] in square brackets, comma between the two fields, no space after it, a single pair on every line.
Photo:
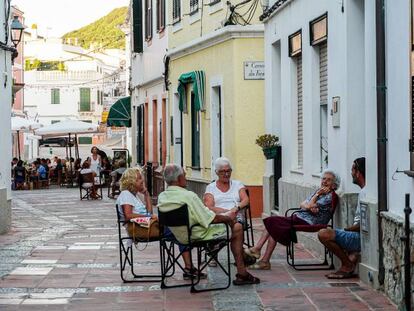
[62,254]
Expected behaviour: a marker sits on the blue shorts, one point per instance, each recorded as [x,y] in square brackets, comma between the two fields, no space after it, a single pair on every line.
[348,240]
[169,235]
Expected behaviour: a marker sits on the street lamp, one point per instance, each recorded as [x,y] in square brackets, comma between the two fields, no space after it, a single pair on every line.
[16,31]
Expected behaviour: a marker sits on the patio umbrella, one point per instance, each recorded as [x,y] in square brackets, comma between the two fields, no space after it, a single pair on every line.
[68,127]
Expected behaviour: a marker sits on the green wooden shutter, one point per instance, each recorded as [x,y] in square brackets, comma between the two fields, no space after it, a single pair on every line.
[85,99]
[137,26]
[55,96]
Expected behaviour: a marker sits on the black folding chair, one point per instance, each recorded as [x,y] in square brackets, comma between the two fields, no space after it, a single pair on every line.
[290,248]
[248,225]
[88,178]
[179,218]
[126,254]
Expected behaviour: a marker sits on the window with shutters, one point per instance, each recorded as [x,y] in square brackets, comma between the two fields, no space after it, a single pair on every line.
[137,26]
[85,99]
[160,15]
[193,6]
[195,135]
[295,51]
[55,96]
[176,11]
[299,110]
[148,19]
[323,91]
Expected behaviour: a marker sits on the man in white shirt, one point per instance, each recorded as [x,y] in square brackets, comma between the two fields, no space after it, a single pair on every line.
[346,243]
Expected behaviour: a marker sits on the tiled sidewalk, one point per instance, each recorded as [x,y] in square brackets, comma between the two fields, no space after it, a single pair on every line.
[62,254]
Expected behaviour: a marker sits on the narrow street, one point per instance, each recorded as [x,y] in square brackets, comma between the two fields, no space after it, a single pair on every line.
[62,254]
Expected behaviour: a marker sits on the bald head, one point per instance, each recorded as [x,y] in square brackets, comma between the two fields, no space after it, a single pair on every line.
[172,172]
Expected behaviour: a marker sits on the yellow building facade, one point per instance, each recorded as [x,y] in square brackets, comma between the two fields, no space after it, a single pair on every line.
[219,110]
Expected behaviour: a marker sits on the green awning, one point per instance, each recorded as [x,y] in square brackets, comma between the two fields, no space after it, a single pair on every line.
[120,113]
[198,79]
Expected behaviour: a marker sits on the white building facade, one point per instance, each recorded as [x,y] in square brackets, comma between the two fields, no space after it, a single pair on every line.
[5,121]
[147,84]
[68,82]
[322,98]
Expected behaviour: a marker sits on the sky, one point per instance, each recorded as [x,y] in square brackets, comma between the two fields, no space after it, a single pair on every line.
[57,17]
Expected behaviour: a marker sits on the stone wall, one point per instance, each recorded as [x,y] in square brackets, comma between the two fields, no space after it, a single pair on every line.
[393,229]
[5,212]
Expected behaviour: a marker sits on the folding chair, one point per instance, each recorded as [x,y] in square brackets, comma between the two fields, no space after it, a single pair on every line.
[248,225]
[290,249]
[179,218]
[88,178]
[126,254]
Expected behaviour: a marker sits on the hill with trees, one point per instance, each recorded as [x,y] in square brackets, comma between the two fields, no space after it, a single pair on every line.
[105,32]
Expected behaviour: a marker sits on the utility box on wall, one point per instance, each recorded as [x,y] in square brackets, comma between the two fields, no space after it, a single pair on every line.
[335,112]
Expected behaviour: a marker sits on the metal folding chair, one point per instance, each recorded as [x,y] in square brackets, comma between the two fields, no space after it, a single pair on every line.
[290,249]
[179,218]
[126,254]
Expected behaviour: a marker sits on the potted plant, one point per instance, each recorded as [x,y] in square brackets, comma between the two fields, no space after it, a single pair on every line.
[269,143]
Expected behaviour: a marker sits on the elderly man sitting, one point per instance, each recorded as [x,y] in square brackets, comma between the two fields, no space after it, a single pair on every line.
[176,195]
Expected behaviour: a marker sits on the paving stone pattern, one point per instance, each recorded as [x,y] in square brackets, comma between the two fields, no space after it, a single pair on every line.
[62,254]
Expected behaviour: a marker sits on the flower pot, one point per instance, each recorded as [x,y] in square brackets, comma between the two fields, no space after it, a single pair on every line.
[270,152]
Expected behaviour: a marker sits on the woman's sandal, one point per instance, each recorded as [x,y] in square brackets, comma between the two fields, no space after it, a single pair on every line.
[260,265]
[252,253]
[247,279]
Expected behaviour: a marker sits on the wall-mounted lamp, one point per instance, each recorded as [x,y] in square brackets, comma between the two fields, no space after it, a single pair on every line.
[16,31]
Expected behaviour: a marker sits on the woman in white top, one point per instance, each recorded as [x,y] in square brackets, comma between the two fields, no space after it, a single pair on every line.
[134,200]
[225,194]
[95,160]
[88,184]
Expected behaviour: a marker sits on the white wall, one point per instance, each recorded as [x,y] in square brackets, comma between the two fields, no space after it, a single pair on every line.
[5,129]
[398,99]
[345,79]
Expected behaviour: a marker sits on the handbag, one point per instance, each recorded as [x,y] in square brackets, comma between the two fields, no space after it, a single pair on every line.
[143,231]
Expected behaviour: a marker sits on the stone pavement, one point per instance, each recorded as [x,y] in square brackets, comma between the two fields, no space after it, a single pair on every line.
[62,254]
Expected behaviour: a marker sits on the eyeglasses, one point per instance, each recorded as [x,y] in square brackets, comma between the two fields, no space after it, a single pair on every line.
[224,172]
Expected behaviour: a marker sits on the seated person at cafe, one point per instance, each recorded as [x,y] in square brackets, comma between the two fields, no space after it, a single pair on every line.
[19,175]
[316,209]
[226,194]
[135,201]
[89,184]
[114,175]
[176,196]
[39,173]
[346,243]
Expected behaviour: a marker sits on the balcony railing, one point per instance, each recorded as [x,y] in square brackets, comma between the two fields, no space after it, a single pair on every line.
[67,75]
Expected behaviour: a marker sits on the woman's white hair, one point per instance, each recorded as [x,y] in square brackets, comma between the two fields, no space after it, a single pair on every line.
[220,162]
[172,172]
[337,178]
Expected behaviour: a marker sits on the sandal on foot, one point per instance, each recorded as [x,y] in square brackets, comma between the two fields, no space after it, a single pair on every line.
[260,265]
[339,275]
[252,253]
[246,279]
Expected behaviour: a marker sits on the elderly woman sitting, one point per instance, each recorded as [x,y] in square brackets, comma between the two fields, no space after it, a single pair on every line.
[226,194]
[316,209]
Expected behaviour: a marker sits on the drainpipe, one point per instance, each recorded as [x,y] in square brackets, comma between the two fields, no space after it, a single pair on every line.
[381,128]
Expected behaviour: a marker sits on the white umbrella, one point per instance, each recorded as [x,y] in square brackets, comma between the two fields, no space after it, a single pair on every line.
[67,127]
